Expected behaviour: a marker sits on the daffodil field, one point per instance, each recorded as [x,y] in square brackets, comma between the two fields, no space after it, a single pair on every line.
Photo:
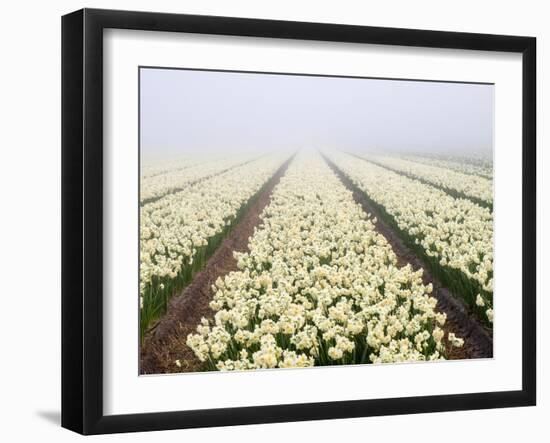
[479,167]
[474,187]
[158,182]
[319,284]
[454,234]
[179,231]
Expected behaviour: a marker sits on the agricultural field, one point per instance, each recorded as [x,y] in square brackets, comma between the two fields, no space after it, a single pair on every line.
[472,166]
[454,235]
[180,230]
[161,181]
[313,258]
[154,167]
[296,221]
[477,188]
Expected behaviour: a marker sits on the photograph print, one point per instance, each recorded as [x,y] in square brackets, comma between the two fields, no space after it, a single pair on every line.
[290,220]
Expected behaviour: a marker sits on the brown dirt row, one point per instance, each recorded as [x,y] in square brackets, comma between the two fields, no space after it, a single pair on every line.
[165,343]
[477,341]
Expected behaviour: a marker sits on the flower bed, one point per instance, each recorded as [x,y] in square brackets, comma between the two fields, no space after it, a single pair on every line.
[455,236]
[319,287]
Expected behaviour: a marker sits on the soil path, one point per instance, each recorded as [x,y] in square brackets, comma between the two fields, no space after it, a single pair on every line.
[165,343]
[477,341]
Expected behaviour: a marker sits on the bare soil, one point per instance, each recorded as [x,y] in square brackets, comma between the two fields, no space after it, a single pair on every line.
[478,343]
[165,343]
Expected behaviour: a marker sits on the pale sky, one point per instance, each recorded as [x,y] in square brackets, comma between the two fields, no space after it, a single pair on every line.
[187,111]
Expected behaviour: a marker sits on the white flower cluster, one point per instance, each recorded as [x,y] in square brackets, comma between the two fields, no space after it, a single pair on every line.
[469,185]
[457,232]
[459,166]
[319,286]
[455,341]
[155,186]
[174,227]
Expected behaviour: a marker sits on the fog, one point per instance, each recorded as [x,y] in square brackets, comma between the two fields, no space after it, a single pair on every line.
[184,111]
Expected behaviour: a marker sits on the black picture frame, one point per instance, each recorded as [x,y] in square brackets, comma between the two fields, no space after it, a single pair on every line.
[82,220]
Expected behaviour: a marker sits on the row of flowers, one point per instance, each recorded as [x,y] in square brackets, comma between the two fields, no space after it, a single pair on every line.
[152,167]
[179,177]
[179,231]
[471,186]
[481,169]
[319,286]
[455,233]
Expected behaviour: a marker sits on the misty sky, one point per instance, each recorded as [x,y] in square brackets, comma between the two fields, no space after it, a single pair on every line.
[187,111]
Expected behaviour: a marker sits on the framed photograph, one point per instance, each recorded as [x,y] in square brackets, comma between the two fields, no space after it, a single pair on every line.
[268,221]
